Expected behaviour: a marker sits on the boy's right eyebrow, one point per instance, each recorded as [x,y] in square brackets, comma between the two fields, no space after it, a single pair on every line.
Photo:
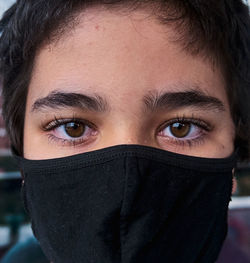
[59,99]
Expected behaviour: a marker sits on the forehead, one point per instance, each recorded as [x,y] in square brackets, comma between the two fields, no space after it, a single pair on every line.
[116,54]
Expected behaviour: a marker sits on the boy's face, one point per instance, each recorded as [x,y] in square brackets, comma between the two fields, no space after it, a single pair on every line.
[121,79]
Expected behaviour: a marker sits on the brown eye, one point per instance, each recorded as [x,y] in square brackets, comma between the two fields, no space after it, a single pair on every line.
[180,130]
[74,129]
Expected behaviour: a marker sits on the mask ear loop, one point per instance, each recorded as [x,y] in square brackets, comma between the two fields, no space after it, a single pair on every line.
[23,193]
[234,184]
[22,176]
[17,159]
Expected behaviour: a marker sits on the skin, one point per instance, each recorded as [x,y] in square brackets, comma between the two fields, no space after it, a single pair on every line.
[123,59]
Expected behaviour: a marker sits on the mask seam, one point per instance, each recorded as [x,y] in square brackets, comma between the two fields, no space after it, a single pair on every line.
[123,225]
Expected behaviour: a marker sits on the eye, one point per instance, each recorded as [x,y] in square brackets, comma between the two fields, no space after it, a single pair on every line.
[184,131]
[70,132]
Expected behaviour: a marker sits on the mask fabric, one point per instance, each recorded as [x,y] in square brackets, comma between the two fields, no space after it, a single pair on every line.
[128,204]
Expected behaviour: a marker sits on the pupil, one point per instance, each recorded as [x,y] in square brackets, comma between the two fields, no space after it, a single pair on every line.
[180,130]
[74,129]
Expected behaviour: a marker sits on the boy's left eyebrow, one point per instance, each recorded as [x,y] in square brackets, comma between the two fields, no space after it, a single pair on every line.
[176,100]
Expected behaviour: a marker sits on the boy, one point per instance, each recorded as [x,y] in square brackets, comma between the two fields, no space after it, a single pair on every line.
[125,117]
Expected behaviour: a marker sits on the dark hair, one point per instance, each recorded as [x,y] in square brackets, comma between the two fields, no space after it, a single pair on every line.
[218,30]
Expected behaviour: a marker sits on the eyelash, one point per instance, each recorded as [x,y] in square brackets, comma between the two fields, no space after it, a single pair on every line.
[56,123]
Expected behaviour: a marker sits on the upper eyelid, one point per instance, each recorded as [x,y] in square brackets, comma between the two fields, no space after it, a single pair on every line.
[59,122]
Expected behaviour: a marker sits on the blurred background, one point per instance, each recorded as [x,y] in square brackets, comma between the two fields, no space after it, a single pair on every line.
[16,235]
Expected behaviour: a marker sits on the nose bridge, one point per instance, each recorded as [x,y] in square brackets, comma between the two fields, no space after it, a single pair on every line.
[126,135]
[125,125]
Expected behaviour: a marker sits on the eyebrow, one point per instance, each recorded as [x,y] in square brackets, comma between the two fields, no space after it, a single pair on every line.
[175,100]
[152,101]
[57,99]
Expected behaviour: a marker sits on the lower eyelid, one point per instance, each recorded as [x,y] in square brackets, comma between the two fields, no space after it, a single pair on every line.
[68,142]
[182,142]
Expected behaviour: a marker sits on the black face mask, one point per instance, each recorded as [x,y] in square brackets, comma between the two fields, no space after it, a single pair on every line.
[129,204]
